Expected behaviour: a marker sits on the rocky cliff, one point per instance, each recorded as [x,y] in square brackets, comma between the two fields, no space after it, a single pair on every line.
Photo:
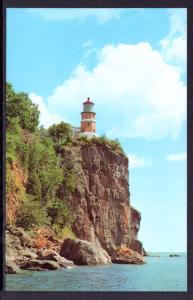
[105,224]
[101,201]
[16,182]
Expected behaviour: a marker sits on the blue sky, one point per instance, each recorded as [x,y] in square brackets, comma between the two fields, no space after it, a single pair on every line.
[132,63]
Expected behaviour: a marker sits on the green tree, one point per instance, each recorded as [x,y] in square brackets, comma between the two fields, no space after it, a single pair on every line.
[23,151]
[50,180]
[16,148]
[33,184]
[44,172]
[19,105]
[61,134]
[13,139]
[34,187]
[59,213]
[50,174]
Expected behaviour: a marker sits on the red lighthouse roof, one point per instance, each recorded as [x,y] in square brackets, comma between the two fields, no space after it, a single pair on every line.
[88,101]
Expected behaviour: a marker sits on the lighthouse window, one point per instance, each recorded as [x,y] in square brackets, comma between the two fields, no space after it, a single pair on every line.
[88,123]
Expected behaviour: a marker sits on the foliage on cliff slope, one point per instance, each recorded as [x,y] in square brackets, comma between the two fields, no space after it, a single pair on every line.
[38,182]
[33,171]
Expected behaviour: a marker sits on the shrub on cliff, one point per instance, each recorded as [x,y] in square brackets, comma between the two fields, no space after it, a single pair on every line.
[115,144]
[85,140]
[102,140]
[31,213]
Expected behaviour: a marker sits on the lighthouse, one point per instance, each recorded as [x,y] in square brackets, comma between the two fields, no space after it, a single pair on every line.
[88,122]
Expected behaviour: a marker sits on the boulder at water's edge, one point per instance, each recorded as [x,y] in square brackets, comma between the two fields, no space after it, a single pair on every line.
[84,252]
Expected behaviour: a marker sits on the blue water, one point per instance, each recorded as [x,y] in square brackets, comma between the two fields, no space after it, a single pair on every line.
[159,274]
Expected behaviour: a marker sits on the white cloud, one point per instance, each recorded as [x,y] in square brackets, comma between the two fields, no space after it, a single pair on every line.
[174,45]
[89,48]
[137,94]
[136,161]
[88,44]
[101,15]
[177,157]
[46,117]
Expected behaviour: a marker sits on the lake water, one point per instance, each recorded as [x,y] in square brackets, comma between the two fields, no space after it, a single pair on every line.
[162,273]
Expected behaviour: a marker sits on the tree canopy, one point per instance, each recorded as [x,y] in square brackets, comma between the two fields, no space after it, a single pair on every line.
[19,105]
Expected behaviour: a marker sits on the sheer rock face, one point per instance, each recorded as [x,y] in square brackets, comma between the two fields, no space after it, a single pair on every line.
[101,200]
